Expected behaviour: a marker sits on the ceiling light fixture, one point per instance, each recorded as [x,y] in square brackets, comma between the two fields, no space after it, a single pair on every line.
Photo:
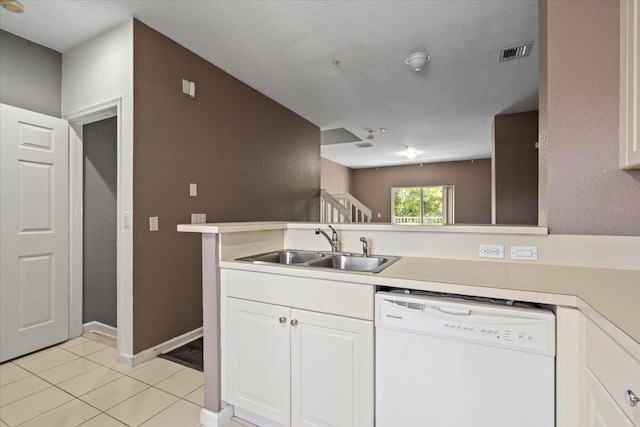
[370,136]
[411,153]
[12,6]
[417,60]
[383,130]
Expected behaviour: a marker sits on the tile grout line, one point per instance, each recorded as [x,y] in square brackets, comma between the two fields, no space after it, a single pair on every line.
[52,367]
[78,398]
[64,391]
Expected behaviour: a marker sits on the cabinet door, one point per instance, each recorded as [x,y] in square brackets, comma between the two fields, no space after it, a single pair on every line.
[601,409]
[331,370]
[258,364]
[629,84]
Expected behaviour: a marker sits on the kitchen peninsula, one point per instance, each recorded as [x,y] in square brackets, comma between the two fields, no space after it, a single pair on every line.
[595,298]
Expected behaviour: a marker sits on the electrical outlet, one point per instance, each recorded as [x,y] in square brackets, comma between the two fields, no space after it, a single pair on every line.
[153,223]
[193,190]
[528,253]
[491,251]
[198,218]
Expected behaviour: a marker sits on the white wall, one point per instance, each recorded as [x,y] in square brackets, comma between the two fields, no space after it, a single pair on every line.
[619,252]
[95,72]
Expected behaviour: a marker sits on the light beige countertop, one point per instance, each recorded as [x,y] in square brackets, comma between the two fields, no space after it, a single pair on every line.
[614,294]
[610,296]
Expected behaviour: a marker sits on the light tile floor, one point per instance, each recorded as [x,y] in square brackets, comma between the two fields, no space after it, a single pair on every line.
[79,383]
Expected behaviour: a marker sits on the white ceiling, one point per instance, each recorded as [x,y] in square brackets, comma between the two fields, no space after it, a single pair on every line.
[285,50]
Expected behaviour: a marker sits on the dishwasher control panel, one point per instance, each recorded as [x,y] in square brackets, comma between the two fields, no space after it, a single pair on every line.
[515,328]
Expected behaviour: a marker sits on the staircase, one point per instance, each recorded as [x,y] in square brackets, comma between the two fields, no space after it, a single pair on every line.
[342,208]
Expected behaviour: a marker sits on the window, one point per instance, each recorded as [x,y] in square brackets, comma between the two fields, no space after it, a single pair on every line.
[422,205]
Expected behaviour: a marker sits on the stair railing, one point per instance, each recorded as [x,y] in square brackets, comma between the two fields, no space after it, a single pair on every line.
[331,210]
[359,212]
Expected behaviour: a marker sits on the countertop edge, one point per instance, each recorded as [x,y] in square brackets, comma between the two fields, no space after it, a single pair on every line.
[239,227]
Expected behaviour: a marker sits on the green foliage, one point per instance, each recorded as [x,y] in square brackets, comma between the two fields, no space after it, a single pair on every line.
[407,207]
[407,202]
[432,204]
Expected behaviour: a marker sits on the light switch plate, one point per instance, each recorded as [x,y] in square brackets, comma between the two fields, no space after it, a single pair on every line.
[153,223]
[491,251]
[193,190]
[527,253]
[198,218]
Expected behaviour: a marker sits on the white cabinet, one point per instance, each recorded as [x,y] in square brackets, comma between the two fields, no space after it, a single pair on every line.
[258,342]
[610,374]
[298,367]
[601,409]
[331,370]
[629,84]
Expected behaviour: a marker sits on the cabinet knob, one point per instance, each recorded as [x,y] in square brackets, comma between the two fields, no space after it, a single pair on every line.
[283,319]
[631,398]
[294,322]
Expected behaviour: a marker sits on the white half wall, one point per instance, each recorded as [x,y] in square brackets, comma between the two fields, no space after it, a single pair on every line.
[95,73]
[620,252]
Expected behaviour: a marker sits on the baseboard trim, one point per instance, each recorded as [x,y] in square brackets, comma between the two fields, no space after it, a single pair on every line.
[165,347]
[100,328]
[216,419]
[255,419]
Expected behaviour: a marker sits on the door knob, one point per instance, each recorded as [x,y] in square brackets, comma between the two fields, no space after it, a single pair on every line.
[283,319]
[294,322]
[631,398]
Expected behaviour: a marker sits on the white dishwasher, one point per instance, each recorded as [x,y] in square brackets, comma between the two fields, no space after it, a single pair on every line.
[443,362]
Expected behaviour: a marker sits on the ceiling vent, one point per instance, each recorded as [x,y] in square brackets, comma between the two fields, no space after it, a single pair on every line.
[364,144]
[515,52]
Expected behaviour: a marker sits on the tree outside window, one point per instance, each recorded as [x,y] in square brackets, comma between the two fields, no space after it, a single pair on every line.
[423,205]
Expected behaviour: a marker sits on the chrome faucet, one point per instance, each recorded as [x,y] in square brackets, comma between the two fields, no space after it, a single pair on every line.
[333,240]
[365,247]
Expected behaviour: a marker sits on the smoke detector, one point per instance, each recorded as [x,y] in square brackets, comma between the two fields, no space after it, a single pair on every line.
[515,52]
[417,60]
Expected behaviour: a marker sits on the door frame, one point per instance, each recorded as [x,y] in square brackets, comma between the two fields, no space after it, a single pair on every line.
[105,110]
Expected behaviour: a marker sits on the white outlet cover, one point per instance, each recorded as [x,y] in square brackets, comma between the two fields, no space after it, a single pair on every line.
[527,253]
[153,223]
[193,189]
[491,251]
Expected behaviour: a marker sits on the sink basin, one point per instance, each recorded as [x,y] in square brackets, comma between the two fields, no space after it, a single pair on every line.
[336,261]
[369,264]
[285,257]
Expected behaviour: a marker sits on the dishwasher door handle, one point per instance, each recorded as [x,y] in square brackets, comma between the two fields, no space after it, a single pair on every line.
[456,311]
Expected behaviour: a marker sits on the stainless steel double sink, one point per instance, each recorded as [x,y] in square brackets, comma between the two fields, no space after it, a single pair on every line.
[333,260]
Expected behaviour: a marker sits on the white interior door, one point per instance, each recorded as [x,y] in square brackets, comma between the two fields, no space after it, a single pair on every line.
[34,231]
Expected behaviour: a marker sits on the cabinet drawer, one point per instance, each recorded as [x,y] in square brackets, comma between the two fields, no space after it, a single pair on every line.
[324,296]
[616,369]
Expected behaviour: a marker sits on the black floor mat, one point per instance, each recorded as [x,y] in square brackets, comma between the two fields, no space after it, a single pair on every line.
[188,355]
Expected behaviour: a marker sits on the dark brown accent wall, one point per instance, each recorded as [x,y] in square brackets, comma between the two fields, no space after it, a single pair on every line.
[587,193]
[516,168]
[252,159]
[472,181]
